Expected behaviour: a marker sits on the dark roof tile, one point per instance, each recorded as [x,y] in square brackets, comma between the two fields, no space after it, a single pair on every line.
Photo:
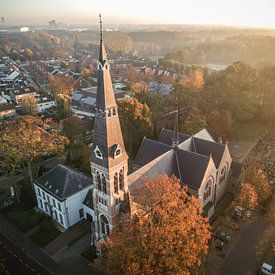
[62,181]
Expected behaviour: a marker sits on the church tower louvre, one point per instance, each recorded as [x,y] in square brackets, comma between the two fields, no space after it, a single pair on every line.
[109,160]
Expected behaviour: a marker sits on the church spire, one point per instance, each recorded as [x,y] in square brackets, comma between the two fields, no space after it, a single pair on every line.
[105,98]
[175,139]
[102,51]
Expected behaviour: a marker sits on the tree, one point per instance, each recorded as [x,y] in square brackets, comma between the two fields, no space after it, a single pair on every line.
[136,122]
[24,141]
[220,124]
[165,235]
[139,89]
[61,85]
[257,176]
[63,105]
[28,54]
[193,123]
[194,81]
[29,106]
[247,197]
[86,72]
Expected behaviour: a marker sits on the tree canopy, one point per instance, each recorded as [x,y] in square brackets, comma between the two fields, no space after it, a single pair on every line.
[166,235]
[23,140]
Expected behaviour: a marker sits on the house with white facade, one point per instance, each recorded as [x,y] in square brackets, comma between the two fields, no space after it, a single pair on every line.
[60,194]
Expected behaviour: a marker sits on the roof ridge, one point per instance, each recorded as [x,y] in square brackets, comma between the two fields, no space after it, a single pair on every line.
[209,141]
[194,153]
[157,141]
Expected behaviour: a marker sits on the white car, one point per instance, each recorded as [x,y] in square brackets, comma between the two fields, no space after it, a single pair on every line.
[267,269]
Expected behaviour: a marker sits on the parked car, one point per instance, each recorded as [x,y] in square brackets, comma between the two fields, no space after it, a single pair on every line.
[222,236]
[267,269]
[216,243]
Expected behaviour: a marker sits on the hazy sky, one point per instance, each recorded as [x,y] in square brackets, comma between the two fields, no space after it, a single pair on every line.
[259,13]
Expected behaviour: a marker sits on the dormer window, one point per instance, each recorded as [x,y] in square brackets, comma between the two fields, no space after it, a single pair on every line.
[98,153]
[116,151]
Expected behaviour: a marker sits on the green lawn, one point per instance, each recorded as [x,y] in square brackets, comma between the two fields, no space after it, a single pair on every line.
[46,233]
[24,220]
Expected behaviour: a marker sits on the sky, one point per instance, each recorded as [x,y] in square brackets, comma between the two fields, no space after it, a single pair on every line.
[254,13]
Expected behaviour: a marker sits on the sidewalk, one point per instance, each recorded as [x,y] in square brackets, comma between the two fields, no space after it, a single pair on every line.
[30,248]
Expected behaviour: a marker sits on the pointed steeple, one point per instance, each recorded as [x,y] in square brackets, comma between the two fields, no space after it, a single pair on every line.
[105,94]
[102,52]
[175,139]
[108,140]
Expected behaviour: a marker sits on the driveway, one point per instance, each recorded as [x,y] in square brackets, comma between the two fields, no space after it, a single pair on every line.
[67,238]
[242,259]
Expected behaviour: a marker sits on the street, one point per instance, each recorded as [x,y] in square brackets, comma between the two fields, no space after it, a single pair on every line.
[16,261]
[242,258]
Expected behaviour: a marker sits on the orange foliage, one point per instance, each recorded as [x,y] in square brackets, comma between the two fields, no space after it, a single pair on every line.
[248,197]
[166,234]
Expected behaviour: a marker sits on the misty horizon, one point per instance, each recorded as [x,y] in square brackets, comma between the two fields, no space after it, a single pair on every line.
[218,13]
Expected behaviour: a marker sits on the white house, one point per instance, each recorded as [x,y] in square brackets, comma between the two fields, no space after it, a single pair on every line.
[45,102]
[60,194]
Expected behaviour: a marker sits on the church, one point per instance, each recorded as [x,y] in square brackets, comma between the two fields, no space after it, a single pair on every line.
[68,196]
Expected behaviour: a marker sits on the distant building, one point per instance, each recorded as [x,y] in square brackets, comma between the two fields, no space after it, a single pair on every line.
[2,20]
[44,102]
[18,94]
[7,111]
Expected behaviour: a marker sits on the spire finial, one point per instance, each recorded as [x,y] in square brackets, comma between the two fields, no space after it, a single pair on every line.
[175,139]
[101,29]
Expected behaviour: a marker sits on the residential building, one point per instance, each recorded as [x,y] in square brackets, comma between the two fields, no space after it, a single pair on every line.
[60,194]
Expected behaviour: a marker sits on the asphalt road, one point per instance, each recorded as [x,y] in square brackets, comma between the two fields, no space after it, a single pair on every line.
[16,261]
[242,258]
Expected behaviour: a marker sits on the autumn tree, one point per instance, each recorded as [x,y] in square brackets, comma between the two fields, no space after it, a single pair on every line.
[29,106]
[256,174]
[220,124]
[63,105]
[136,122]
[24,141]
[247,197]
[165,235]
[194,81]
[139,89]
[61,85]
[28,53]
[193,123]
[86,72]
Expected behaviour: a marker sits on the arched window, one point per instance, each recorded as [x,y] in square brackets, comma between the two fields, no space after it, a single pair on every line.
[98,179]
[116,183]
[223,175]
[104,225]
[104,184]
[207,190]
[121,179]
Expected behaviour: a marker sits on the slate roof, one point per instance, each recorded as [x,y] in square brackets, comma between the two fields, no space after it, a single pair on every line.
[188,162]
[206,147]
[62,182]
[149,150]
[192,168]
[164,164]
[167,135]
